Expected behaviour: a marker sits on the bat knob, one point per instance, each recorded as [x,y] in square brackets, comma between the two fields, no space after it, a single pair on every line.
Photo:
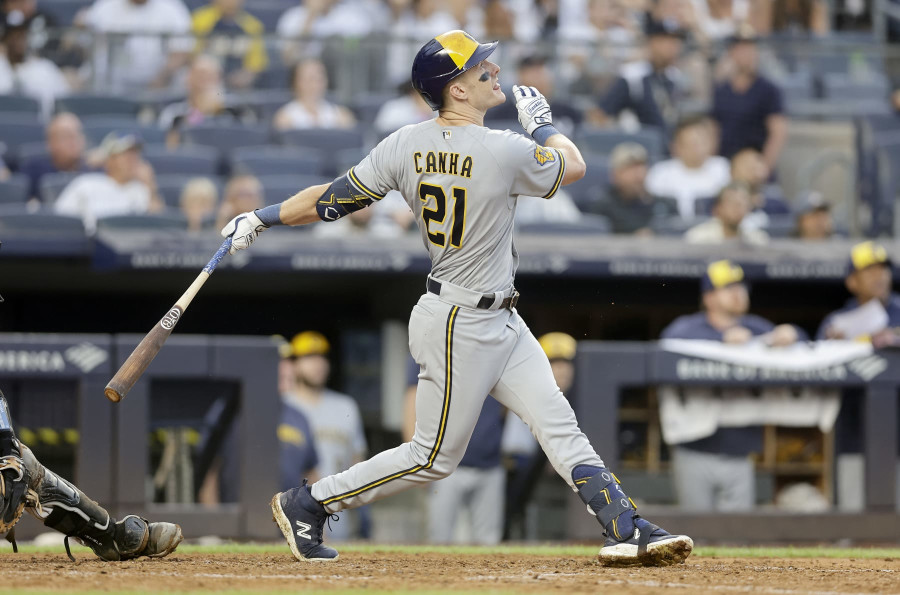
[112,394]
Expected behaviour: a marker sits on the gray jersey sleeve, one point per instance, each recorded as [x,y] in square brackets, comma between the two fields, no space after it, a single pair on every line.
[375,175]
[535,170]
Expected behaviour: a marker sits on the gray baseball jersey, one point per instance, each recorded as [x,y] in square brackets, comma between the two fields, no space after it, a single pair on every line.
[462,182]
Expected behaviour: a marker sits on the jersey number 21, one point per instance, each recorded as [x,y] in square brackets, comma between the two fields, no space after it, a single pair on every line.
[439,214]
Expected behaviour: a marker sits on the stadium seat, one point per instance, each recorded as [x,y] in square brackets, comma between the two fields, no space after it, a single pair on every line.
[275,160]
[505,125]
[588,225]
[327,142]
[367,106]
[170,186]
[275,77]
[602,141]
[19,104]
[18,218]
[170,219]
[226,137]
[18,129]
[63,11]
[844,86]
[279,188]
[53,184]
[345,159]
[796,86]
[593,184]
[781,226]
[15,189]
[97,127]
[27,151]
[98,105]
[675,226]
[194,160]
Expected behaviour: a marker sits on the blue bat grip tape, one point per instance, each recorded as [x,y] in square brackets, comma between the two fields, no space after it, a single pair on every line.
[220,253]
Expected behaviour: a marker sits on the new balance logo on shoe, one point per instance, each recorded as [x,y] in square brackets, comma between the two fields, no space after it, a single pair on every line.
[303,531]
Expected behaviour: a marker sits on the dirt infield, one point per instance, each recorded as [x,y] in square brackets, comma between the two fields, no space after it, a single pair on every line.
[432,572]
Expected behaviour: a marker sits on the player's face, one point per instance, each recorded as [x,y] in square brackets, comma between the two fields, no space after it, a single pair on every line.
[312,370]
[733,299]
[483,85]
[872,282]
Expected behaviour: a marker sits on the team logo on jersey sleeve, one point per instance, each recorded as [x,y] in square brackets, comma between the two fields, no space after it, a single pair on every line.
[543,156]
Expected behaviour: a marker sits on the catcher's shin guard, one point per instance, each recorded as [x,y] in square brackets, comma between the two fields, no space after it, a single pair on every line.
[14,477]
[63,507]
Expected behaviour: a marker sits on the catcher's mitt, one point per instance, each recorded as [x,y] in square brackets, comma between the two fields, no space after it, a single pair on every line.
[14,479]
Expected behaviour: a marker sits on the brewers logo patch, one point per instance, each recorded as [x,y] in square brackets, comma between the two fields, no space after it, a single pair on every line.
[543,156]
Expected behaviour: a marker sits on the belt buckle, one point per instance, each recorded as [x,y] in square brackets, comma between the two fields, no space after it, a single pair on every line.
[514,299]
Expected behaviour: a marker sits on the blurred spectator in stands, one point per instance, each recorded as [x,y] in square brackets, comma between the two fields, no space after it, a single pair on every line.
[323,19]
[610,22]
[242,193]
[532,71]
[794,17]
[56,46]
[407,109]
[694,171]
[144,57]
[205,101]
[534,209]
[477,486]
[121,189]
[729,210]
[310,108]
[749,167]
[65,152]
[334,417]
[718,19]
[715,473]
[499,20]
[4,171]
[648,89]
[748,107]
[198,201]
[814,220]
[870,281]
[627,203]
[414,19]
[235,37]
[22,72]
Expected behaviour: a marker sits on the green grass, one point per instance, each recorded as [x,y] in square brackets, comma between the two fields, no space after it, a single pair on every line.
[567,550]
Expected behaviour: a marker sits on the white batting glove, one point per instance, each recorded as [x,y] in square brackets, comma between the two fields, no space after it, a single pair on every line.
[534,111]
[243,229]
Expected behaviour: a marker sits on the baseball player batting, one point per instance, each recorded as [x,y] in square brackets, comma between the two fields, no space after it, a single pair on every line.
[462,181]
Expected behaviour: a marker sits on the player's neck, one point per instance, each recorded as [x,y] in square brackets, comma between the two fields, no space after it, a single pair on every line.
[460,115]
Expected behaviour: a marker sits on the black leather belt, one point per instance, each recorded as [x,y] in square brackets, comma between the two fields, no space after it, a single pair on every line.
[484,303]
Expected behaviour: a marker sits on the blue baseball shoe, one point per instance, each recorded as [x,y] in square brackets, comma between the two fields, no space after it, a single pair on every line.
[630,539]
[302,521]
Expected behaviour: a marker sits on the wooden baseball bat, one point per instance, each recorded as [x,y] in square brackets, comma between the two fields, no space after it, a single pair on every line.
[150,345]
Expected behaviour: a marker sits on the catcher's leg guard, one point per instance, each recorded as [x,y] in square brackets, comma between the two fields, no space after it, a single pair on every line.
[65,508]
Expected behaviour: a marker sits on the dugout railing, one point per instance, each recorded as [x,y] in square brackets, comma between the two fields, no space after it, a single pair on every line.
[112,453]
[606,369]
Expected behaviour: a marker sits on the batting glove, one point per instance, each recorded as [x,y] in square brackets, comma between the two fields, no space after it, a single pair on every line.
[243,229]
[534,111]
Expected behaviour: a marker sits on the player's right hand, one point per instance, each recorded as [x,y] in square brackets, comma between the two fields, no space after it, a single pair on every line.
[242,230]
[534,111]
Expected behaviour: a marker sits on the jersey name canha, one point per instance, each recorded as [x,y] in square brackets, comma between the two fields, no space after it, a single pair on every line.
[462,183]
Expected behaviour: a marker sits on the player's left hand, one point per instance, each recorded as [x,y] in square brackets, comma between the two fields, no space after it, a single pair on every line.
[243,229]
[534,111]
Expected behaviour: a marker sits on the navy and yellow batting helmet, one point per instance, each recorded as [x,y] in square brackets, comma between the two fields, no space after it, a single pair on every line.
[444,58]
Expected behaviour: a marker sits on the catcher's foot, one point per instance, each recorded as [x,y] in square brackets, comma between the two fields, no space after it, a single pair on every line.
[302,521]
[164,538]
[648,546]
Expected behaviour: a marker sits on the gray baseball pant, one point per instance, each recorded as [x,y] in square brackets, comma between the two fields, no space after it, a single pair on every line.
[465,354]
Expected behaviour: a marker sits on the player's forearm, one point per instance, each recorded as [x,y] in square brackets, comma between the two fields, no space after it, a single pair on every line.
[299,209]
[575,166]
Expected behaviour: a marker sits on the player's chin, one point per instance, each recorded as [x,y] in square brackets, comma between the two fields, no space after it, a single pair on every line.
[500,96]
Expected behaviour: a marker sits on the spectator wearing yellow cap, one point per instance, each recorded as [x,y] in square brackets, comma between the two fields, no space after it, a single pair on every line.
[869,279]
[335,419]
[716,472]
[525,462]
